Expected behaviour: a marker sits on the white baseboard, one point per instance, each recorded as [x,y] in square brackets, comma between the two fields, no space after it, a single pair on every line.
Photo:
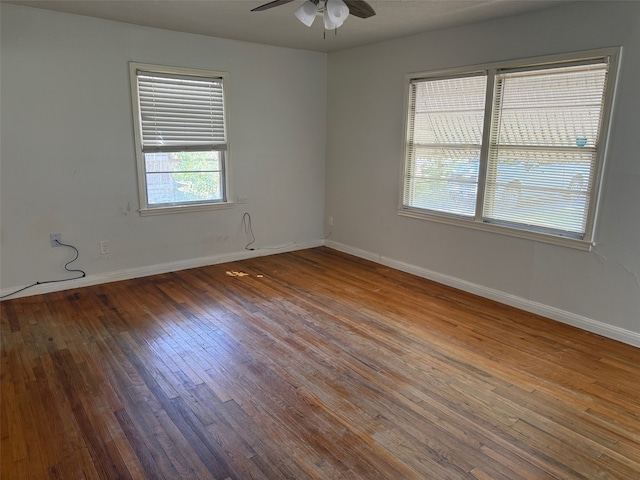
[584,323]
[130,273]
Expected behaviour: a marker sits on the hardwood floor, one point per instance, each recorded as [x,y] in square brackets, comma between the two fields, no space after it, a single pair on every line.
[311,364]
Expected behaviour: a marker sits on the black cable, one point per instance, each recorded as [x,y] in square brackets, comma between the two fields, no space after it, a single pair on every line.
[66,265]
[248,229]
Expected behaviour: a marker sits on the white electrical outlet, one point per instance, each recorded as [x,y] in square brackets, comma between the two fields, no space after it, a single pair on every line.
[242,199]
[331,221]
[55,239]
[104,247]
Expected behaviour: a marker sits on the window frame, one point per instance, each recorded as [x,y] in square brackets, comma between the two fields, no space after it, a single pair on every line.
[612,55]
[225,170]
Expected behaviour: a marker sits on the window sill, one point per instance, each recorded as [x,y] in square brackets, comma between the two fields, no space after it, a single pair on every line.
[184,208]
[577,244]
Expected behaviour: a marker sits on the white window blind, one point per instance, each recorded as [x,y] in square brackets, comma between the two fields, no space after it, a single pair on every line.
[544,139]
[444,138]
[181,112]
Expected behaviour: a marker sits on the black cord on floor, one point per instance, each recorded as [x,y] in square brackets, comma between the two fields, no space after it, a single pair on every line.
[66,267]
[248,229]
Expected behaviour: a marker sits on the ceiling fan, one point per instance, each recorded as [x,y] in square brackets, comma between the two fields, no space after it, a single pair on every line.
[334,12]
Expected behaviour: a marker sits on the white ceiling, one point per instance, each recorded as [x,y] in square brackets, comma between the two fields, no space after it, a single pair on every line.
[233,19]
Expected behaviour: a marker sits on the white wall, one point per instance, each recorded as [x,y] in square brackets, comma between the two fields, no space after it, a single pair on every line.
[67,153]
[598,291]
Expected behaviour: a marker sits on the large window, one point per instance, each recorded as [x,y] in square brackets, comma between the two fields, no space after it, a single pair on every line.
[181,138]
[516,147]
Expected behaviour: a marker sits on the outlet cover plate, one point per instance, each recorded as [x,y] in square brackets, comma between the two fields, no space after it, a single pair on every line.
[104,247]
[54,238]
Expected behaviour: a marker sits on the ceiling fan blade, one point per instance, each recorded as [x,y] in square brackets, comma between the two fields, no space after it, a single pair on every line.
[360,8]
[267,6]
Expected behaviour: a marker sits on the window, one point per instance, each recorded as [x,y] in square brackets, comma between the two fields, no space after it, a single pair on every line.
[181,138]
[516,148]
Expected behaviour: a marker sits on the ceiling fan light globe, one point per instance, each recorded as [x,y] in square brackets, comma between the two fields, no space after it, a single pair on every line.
[328,23]
[337,11]
[307,13]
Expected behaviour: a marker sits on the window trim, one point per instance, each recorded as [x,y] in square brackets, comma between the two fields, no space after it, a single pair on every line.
[144,208]
[611,54]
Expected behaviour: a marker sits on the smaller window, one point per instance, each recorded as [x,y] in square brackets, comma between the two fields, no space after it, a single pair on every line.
[181,138]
